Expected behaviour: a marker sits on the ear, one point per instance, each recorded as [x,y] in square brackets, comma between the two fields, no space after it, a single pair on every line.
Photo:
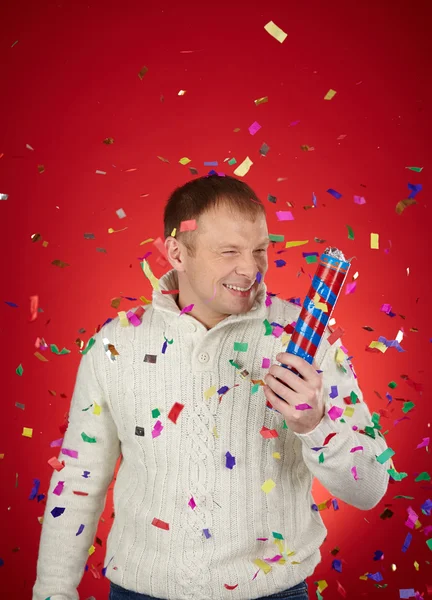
[175,253]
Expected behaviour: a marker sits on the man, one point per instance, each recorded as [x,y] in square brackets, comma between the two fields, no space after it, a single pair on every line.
[213,496]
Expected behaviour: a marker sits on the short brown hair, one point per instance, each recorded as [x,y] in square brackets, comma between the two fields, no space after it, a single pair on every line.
[200,195]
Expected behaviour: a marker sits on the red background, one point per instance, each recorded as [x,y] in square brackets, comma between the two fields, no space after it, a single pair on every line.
[72,80]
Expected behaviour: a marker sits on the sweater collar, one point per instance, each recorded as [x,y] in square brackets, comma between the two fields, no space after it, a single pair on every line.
[167,304]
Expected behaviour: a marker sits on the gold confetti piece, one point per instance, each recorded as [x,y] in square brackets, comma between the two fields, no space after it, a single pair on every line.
[108,141]
[236,130]
[2,456]
[149,274]
[215,433]
[374,241]
[41,357]
[100,172]
[268,485]
[29,147]
[322,585]
[173,232]
[111,230]
[244,167]
[120,213]
[210,392]
[184,161]
[262,100]
[340,356]
[91,550]
[27,432]
[143,71]
[330,94]
[60,263]
[124,321]
[262,565]
[379,345]
[163,159]
[276,455]
[97,409]
[349,411]
[401,206]
[41,168]
[146,241]
[297,243]
[181,93]
[275,31]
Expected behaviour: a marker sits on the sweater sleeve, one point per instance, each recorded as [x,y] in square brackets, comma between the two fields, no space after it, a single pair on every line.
[348,472]
[77,493]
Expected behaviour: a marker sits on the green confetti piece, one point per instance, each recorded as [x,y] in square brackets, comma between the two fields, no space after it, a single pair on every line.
[88,439]
[385,456]
[88,408]
[90,344]
[370,431]
[429,543]
[55,350]
[268,328]
[350,233]
[321,457]
[234,364]
[407,406]
[342,421]
[284,426]
[277,536]
[416,169]
[392,385]
[19,370]
[406,497]
[276,238]
[255,388]
[395,475]
[423,477]
[311,259]
[155,413]
[353,397]
[232,161]
[240,346]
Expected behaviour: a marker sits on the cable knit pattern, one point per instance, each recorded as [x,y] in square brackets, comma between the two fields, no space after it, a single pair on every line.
[215,520]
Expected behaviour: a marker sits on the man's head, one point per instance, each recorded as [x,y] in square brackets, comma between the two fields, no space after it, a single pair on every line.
[229,245]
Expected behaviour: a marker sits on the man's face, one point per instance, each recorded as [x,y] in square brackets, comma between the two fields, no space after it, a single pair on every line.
[230,250]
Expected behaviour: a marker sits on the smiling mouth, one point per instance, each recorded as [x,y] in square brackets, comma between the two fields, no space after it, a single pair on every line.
[243,293]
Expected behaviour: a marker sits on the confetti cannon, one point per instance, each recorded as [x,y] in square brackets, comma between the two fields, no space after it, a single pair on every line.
[318,306]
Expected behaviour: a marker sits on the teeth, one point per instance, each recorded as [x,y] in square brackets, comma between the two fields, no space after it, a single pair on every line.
[239,289]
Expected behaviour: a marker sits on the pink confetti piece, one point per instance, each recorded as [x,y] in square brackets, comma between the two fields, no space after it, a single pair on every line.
[350,288]
[58,488]
[133,318]
[71,453]
[303,407]
[359,200]
[277,331]
[188,225]
[356,448]
[266,363]
[56,443]
[284,215]
[186,309]
[354,472]
[335,412]
[192,503]
[424,443]
[254,128]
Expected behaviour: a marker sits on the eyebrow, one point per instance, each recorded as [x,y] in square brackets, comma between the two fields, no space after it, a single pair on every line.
[265,241]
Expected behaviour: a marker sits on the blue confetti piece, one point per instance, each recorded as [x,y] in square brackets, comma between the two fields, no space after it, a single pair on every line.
[1,562]
[86,474]
[334,391]
[378,554]
[375,576]
[211,163]
[335,504]
[280,263]
[57,511]
[314,200]
[259,277]
[415,189]
[80,529]
[35,489]
[407,542]
[334,193]
[407,593]
[337,565]
[305,254]
[230,460]
[164,347]
[426,507]
[223,390]
[207,533]
[12,304]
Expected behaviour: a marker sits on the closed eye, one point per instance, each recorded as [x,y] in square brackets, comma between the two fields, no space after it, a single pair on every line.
[233,251]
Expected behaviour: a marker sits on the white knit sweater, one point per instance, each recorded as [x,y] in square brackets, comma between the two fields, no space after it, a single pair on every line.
[219,520]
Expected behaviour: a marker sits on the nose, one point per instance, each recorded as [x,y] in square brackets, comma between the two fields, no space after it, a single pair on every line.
[247,267]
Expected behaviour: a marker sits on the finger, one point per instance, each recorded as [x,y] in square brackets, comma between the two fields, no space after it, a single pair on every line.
[301,365]
[289,378]
[281,389]
[281,406]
